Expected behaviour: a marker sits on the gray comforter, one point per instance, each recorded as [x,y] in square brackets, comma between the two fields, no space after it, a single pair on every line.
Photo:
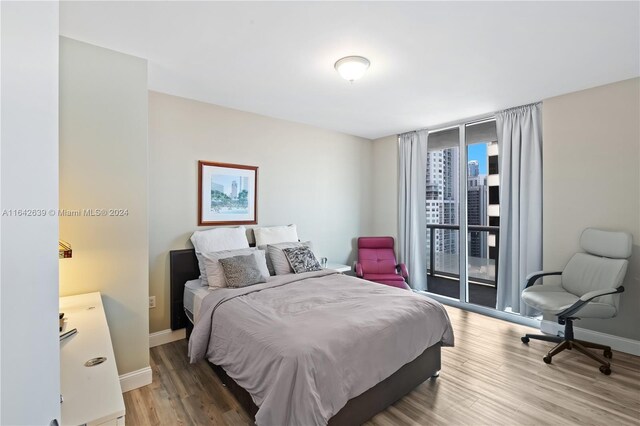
[303,345]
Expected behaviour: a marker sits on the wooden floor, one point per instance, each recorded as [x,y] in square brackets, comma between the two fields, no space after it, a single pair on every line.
[488,378]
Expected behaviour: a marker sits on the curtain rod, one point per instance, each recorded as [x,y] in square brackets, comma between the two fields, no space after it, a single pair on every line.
[453,124]
[485,119]
[468,121]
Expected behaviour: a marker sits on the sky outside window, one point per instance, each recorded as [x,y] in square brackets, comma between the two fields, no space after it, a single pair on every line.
[478,152]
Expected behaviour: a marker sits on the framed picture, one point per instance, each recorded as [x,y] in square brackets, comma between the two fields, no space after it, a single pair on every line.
[227,194]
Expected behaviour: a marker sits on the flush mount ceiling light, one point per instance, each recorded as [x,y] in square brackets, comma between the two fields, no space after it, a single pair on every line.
[352,68]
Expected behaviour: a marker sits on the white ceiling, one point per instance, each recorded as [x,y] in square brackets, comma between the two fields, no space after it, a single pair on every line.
[431,63]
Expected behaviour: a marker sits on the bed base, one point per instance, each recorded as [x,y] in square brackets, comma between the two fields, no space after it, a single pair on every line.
[184,267]
[363,407]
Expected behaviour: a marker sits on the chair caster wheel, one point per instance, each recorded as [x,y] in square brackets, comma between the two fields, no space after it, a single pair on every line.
[608,353]
[525,339]
[605,370]
[547,359]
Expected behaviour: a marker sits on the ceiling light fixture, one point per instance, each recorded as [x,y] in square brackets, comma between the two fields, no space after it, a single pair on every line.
[352,68]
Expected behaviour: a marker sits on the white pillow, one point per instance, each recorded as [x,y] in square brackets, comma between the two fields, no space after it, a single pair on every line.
[215,272]
[272,271]
[279,260]
[217,239]
[275,234]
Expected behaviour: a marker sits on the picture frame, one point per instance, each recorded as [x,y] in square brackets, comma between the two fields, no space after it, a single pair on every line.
[227,194]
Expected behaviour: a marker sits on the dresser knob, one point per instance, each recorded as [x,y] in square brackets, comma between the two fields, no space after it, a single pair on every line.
[95,361]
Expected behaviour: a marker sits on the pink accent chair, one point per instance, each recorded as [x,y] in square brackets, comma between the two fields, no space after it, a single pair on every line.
[377,262]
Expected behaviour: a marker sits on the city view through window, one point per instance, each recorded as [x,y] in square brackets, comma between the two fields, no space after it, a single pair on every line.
[442,208]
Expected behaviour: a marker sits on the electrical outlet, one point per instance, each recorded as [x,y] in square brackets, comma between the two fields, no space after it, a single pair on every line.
[152,302]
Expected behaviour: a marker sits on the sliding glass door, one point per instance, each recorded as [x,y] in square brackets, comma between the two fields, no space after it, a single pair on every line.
[462,209]
[483,213]
[443,212]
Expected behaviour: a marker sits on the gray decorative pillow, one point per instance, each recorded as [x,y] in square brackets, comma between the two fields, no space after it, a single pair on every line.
[215,273]
[302,259]
[242,271]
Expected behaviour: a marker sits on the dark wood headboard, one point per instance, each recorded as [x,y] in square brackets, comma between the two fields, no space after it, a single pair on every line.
[183,266]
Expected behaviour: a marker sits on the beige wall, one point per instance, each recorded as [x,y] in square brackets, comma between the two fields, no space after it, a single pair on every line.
[104,164]
[385,186]
[317,179]
[591,161]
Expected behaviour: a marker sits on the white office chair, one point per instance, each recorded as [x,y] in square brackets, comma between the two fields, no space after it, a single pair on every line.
[588,289]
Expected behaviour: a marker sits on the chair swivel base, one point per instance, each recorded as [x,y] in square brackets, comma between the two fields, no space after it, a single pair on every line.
[568,342]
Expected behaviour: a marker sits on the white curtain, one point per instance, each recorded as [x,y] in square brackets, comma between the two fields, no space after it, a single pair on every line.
[412,216]
[520,153]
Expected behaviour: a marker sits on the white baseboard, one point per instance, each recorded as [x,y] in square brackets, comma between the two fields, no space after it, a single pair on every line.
[166,336]
[136,379]
[621,344]
[143,377]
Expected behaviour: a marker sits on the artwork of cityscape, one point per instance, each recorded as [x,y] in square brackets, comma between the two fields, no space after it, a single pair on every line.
[227,194]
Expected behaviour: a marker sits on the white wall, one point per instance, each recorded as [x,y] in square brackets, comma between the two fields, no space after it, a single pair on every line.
[592,178]
[385,186]
[30,355]
[104,164]
[315,178]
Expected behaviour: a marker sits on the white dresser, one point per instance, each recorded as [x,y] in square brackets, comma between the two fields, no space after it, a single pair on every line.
[92,395]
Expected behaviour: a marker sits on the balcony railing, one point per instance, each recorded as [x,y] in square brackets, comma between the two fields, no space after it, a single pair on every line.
[481,269]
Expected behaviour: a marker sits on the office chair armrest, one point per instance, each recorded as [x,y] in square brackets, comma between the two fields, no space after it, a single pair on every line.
[359,272]
[586,298]
[402,270]
[535,276]
[597,293]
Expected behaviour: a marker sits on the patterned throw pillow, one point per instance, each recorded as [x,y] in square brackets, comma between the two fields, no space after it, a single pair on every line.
[302,259]
[242,271]
[280,263]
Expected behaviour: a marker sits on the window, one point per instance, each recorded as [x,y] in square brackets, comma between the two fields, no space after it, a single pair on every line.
[493,164]
[472,174]
[494,194]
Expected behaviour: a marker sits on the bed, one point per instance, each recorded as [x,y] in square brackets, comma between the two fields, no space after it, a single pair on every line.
[374,393]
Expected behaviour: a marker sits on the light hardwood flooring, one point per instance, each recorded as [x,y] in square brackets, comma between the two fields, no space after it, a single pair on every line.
[488,378]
